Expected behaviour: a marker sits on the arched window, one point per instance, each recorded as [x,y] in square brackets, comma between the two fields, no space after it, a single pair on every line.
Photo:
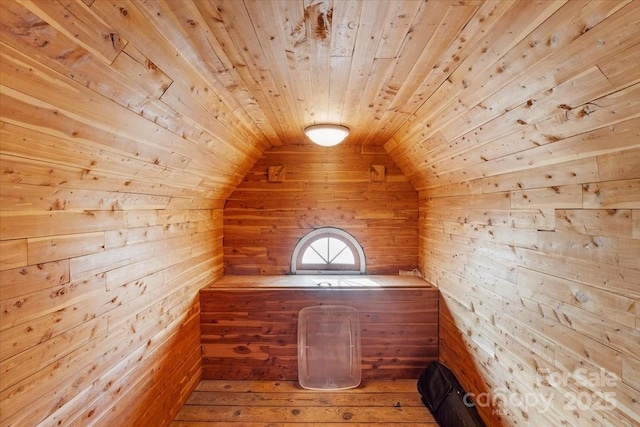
[328,250]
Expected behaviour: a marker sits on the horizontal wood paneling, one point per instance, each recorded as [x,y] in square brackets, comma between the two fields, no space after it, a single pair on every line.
[249,331]
[110,216]
[528,179]
[126,125]
[322,187]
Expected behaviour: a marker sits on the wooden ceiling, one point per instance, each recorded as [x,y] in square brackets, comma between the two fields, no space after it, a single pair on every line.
[376,66]
[366,64]
[278,66]
[220,81]
[285,65]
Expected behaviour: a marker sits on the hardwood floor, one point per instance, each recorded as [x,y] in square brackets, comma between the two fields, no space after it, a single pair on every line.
[285,403]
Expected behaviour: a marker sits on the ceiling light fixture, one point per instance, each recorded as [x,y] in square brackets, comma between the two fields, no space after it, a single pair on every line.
[327,135]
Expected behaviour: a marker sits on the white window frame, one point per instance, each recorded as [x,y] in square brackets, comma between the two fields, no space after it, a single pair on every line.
[348,239]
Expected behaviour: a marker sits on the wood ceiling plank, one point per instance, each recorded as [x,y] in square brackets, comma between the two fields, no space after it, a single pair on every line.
[26,143]
[238,24]
[140,25]
[558,31]
[517,130]
[30,77]
[251,64]
[546,66]
[318,16]
[473,33]
[74,101]
[212,117]
[212,41]
[220,39]
[78,22]
[346,21]
[555,127]
[392,111]
[413,41]
[371,98]
[573,172]
[624,70]
[222,152]
[270,24]
[133,83]
[446,32]
[519,21]
[620,106]
[186,31]
[338,87]
[226,85]
[401,20]
[372,18]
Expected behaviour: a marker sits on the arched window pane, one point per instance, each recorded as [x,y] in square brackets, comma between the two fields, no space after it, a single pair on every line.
[321,248]
[328,249]
[339,252]
[344,257]
[316,252]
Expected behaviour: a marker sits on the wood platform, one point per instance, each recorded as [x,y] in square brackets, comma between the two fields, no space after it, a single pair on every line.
[249,324]
[345,281]
[285,403]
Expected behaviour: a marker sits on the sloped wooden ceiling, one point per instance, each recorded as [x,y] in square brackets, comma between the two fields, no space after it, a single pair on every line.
[126,124]
[220,81]
[235,77]
[279,66]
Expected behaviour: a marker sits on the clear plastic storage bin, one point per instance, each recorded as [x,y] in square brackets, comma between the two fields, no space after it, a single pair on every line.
[329,347]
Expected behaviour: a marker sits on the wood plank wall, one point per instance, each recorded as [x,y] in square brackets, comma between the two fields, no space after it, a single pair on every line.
[252,333]
[529,178]
[322,187]
[111,217]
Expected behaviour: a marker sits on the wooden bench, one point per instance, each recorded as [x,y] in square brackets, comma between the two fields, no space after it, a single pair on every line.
[249,323]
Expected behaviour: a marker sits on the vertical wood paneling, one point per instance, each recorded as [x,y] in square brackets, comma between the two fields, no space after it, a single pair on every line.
[264,220]
[529,234]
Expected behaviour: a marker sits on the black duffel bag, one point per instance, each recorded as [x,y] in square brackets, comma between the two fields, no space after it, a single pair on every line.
[443,395]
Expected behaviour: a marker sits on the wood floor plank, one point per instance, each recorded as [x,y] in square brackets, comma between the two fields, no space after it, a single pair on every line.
[335,414]
[366,386]
[304,399]
[284,403]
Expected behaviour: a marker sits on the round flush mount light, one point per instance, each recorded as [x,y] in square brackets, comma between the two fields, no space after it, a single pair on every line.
[327,135]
